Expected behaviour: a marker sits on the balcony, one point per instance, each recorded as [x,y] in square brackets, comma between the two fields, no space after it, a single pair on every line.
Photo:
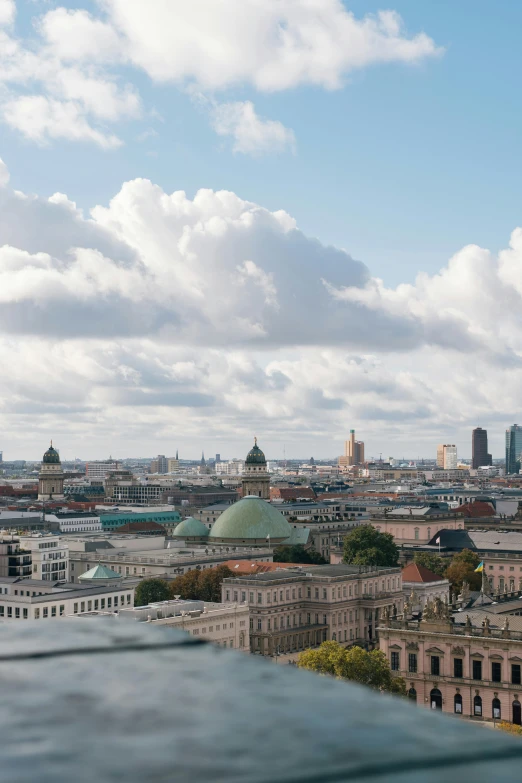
[234,717]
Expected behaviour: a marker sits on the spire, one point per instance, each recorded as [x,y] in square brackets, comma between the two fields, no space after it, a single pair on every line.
[255,441]
[177,454]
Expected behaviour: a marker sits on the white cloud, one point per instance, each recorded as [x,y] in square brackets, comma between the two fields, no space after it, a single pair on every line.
[65,82]
[4,174]
[39,118]
[269,44]
[213,316]
[7,11]
[252,134]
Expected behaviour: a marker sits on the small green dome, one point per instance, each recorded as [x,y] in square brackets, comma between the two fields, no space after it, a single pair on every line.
[51,456]
[251,521]
[255,456]
[190,528]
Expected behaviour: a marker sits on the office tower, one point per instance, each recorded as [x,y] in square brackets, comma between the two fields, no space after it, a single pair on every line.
[479,448]
[513,448]
[450,457]
[353,451]
[440,455]
[159,465]
[218,457]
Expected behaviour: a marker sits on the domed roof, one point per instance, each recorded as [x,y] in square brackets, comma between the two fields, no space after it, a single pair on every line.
[190,528]
[51,456]
[255,456]
[251,520]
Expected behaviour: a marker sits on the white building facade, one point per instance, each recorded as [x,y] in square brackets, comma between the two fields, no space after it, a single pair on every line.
[50,556]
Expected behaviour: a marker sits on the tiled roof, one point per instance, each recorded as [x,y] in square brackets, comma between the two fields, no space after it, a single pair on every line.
[256,567]
[419,573]
[477,509]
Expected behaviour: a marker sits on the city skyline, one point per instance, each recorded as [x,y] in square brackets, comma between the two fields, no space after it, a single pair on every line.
[248,237]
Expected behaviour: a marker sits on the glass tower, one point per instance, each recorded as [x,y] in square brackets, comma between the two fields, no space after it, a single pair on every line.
[513,448]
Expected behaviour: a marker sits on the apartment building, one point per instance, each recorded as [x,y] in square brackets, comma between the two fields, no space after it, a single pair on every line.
[15,560]
[296,608]
[50,556]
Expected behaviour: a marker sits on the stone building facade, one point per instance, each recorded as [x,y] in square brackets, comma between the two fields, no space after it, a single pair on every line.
[297,608]
[474,672]
[416,525]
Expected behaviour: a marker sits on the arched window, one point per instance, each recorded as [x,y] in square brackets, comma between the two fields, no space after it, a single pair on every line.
[477,706]
[412,694]
[457,701]
[495,705]
[436,699]
[416,532]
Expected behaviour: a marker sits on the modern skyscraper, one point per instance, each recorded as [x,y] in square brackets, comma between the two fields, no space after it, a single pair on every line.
[479,448]
[447,456]
[353,451]
[513,448]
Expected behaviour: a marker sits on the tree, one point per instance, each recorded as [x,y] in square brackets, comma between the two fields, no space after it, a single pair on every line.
[433,562]
[462,567]
[297,554]
[200,585]
[354,664]
[151,590]
[367,546]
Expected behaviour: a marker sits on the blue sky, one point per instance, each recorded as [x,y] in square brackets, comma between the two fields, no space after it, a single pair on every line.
[404,165]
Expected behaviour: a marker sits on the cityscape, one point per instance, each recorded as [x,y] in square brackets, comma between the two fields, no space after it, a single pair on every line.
[261,351]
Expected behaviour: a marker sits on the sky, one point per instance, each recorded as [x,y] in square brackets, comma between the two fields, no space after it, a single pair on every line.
[282,218]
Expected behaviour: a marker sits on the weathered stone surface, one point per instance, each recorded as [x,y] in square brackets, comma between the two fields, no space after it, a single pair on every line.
[112,703]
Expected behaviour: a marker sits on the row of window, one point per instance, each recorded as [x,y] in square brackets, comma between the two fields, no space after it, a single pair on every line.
[296,593]
[99,604]
[496,710]
[458,667]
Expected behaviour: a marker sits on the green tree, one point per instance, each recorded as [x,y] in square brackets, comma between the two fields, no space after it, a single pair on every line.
[354,664]
[151,590]
[462,567]
[200,585]
[367,546]
[433,562]
[297,554]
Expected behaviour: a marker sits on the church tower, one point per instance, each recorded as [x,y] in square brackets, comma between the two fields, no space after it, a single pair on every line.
[256,479]
[50,478]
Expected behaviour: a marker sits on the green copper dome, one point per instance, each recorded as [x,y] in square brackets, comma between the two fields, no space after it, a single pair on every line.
[250,521]
[255,456]
[190,528]
[99,572]
[51,456]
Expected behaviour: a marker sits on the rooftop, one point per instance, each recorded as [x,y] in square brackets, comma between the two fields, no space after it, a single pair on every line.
[322,571]
[418,573]
[282,725]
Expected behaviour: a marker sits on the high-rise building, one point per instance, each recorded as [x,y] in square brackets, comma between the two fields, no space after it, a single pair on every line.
[173,465]
[513,448]
[159,465]
[353,451]
[450,457]
[479,448]
[447,456]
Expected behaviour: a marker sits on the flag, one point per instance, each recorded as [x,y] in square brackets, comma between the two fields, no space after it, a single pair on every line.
[437,540]
[479,568]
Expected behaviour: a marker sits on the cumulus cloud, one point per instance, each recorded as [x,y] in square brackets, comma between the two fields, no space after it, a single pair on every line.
[65,82]
[252,134]
[212,311]
[269,44]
